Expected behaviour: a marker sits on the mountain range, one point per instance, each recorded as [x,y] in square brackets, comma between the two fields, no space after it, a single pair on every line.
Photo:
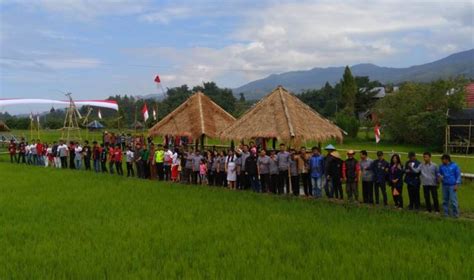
[461,63]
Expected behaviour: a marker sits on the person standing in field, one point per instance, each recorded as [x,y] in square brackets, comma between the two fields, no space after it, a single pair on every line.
[380,168]
[137,158]
[12,151]
[87,152]
[412,179]
[283,161]
[175,166]
[316,170]
[367,176]
[188,166]
[251,168]
[22,151]
[56,158]
[167,163]
[78,156]
[294,174]
[159,161]
[245,177]
[103,158]
[274,172]
[429,174]
[50,157]
[212,167]
[34,153]
[302,160]
[231,170]
[334,174]
[118,159]
[63,153]
[148,166]
[450,176]
[203,172]
[396,180]
[263,163]
[129,155]
[351,175]
[196,163]
[111,158]
[40,151]
[238,168]
[146,159]
[327,161]
[72,154]
[96,156]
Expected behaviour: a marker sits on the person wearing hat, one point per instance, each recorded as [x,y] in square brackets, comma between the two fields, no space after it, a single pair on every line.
[351,175]
[328,187]
[334,175]
[380,167]
[412,179]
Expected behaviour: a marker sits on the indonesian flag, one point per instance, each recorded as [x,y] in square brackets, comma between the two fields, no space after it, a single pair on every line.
[38,119]
[145,112]
[377,133]
[154,114]
[99,114]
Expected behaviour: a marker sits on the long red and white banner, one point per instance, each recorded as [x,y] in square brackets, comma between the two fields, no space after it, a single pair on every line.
[109,104]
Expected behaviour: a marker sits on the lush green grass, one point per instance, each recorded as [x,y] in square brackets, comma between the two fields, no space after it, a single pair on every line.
[64,224]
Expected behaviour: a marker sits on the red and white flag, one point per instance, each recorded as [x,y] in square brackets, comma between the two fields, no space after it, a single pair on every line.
[99,114]
[377,133]
[145,112]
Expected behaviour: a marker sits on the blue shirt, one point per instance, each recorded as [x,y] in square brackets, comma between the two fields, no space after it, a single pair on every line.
[316,166]
[412,174]
[451,174]
[380,169]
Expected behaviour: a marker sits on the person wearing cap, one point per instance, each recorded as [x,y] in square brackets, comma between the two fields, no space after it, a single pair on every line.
[450,177]
[412,179]
[380,167]
[283,161]
[351,175]
[334,174]
[367,177]
[316,169]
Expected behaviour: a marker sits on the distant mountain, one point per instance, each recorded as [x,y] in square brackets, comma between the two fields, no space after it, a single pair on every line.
[461,63]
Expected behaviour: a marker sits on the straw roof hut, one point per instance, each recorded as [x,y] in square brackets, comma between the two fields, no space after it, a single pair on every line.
[283,116]
[3,127]
[197,117]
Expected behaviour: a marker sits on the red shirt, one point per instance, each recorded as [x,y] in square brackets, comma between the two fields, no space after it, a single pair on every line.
[111,154]
[118,154]
[39,149]
[12,148]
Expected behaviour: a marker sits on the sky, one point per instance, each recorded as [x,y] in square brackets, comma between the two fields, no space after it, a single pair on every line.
[98,48]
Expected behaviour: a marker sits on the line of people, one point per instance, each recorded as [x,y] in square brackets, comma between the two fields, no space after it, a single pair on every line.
[286,171]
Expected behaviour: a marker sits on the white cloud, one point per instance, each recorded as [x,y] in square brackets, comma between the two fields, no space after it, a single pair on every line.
[300,35]
[166,15]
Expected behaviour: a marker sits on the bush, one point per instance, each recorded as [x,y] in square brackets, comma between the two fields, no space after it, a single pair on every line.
[348,123]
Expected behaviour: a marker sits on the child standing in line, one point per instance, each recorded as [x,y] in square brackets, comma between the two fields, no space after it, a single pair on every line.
[129,158]
[203,172]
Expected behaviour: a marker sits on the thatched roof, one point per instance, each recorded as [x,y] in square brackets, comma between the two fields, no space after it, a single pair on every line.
[4,127]
[283,116]
[197,116]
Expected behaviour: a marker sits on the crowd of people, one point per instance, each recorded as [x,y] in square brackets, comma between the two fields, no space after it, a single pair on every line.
[249,167]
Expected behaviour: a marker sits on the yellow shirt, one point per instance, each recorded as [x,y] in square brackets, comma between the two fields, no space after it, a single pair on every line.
[159,156]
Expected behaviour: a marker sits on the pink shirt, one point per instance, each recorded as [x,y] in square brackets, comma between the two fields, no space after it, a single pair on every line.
[202,169]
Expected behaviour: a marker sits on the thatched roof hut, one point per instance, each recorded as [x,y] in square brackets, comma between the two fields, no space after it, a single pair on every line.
[197,116]
[283,116]
[4,127]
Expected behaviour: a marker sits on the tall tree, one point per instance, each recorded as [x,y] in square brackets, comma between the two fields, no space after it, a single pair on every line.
[349,91]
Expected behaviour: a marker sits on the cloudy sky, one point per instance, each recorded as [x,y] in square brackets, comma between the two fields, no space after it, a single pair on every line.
[97,48]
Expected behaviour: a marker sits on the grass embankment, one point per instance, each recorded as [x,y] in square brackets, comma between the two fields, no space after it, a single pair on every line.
[71,224]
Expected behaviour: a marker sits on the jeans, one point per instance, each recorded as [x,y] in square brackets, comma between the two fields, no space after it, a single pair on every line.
[161,172]
[431,191]
[283,181]
[352,190]
[13,158]
[130,171]
[119,167]
[64,162]
[329,188]
[368,191]
[317,184]
[274,183]
[78,163]
[21,158]
[111,167]
[265,182]
[307,188]
[414,196]
[255,183]
[383,189]
[450,198]
[96,165]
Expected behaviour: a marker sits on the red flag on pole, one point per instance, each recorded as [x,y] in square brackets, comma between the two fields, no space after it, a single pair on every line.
[157,79]
[377,133]
[145,112]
